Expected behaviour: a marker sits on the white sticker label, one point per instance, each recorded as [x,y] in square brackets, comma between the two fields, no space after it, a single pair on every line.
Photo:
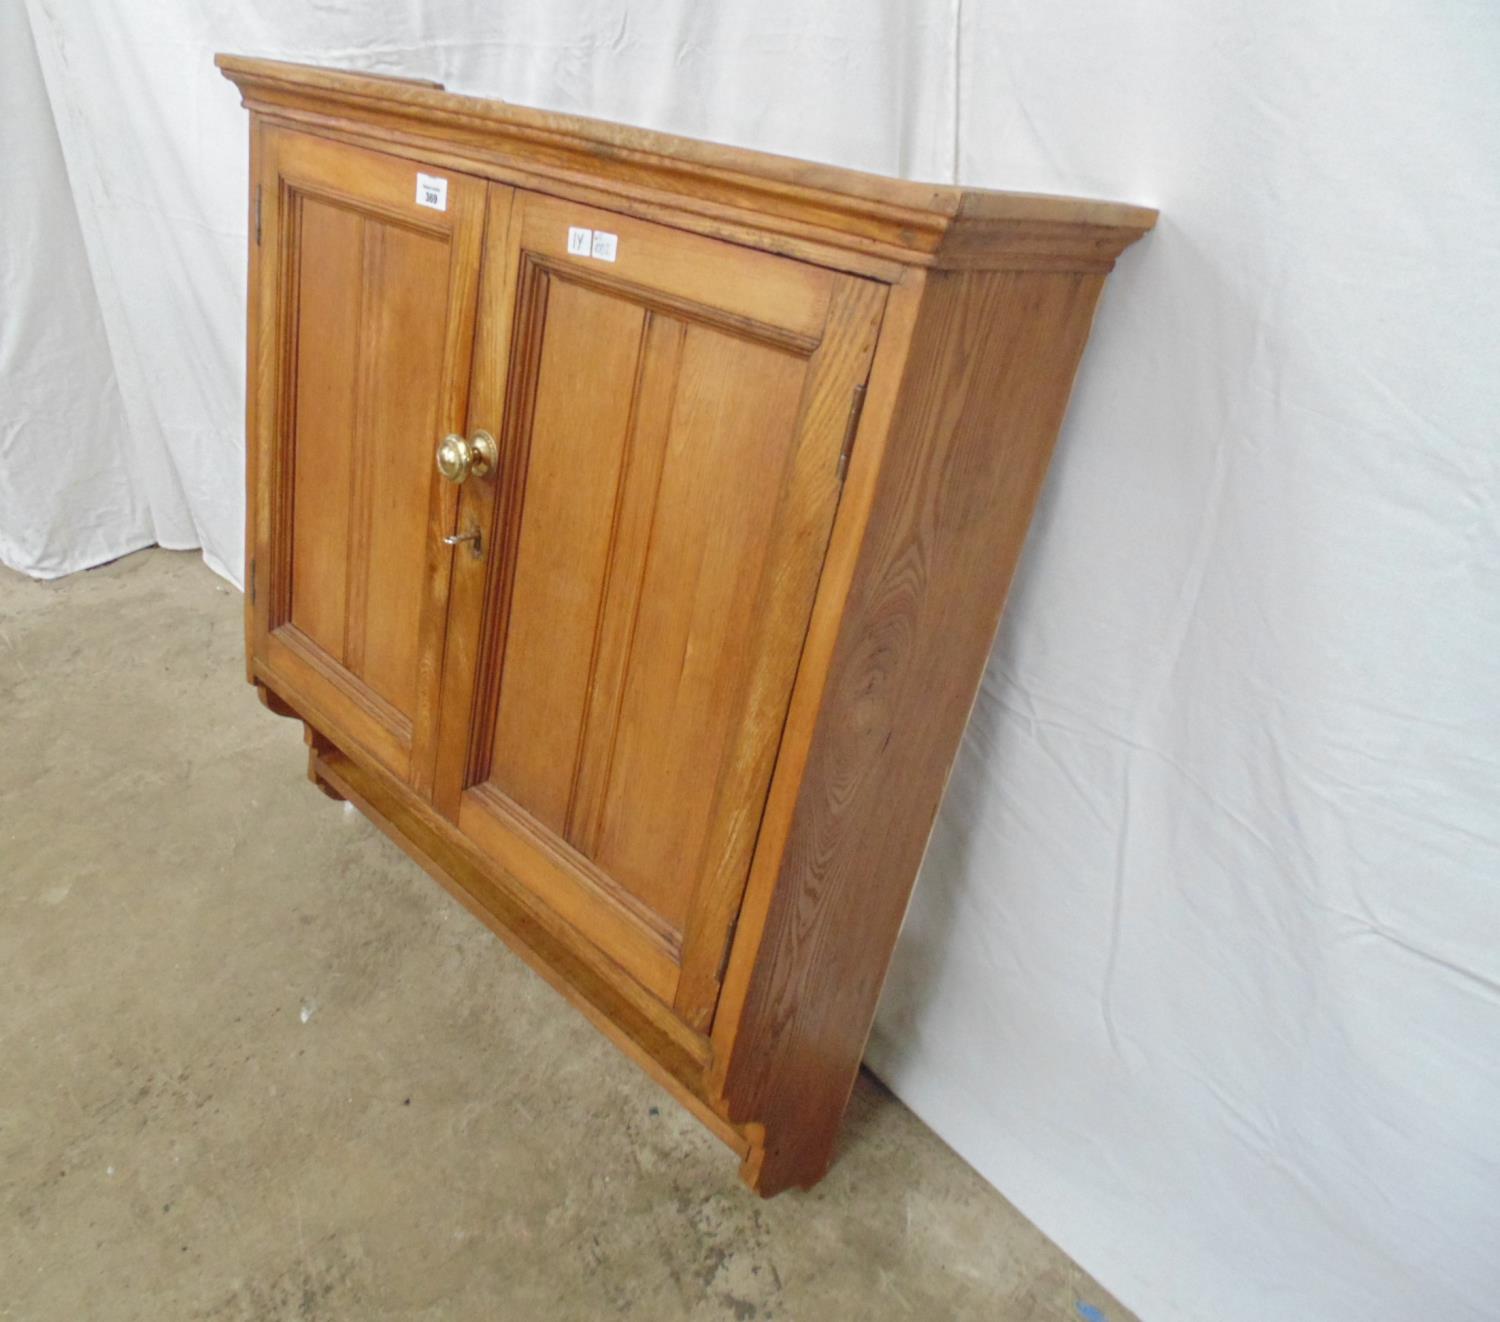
[432,192]
[601,245]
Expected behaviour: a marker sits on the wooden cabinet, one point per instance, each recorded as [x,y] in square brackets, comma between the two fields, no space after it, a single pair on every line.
[663,673]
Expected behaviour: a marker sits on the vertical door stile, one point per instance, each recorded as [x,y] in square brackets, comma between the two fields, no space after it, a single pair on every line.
[479,504]
[452,414]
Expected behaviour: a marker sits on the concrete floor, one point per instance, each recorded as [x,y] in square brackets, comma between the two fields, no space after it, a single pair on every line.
[254,1064]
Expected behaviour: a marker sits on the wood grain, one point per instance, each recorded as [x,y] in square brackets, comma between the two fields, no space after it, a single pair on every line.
[944,532]
[722,475]
[586,386]
[405,320]
[331,247]
[632,522]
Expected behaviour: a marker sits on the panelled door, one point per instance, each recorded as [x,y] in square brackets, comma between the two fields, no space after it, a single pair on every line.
[371,265]
[627,618]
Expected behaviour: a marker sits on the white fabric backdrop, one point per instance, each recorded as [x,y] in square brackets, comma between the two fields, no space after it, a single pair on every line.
[68,498]
[1203,971]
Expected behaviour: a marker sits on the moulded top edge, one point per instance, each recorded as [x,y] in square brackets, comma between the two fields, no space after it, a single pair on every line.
[934,209]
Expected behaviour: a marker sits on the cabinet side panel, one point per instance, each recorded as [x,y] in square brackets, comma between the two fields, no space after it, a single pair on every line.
[983,395]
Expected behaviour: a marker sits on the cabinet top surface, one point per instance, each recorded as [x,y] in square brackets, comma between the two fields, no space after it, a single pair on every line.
[932,224]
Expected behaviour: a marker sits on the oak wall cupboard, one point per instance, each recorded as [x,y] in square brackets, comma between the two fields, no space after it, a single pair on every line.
[629,522]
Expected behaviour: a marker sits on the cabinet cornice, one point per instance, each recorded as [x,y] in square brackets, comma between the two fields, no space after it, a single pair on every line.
[932,225]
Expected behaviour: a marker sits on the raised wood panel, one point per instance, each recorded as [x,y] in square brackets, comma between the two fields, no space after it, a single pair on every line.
[329,241]
[721,483]
[584,398]
[633,536]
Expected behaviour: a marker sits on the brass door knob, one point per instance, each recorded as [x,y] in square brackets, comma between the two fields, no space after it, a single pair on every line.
[457,457]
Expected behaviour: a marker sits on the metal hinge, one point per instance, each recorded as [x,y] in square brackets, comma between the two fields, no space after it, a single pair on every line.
[856,407]
[257,215]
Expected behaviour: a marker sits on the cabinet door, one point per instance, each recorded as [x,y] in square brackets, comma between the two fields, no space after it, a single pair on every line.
[671,412]
[367,290]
